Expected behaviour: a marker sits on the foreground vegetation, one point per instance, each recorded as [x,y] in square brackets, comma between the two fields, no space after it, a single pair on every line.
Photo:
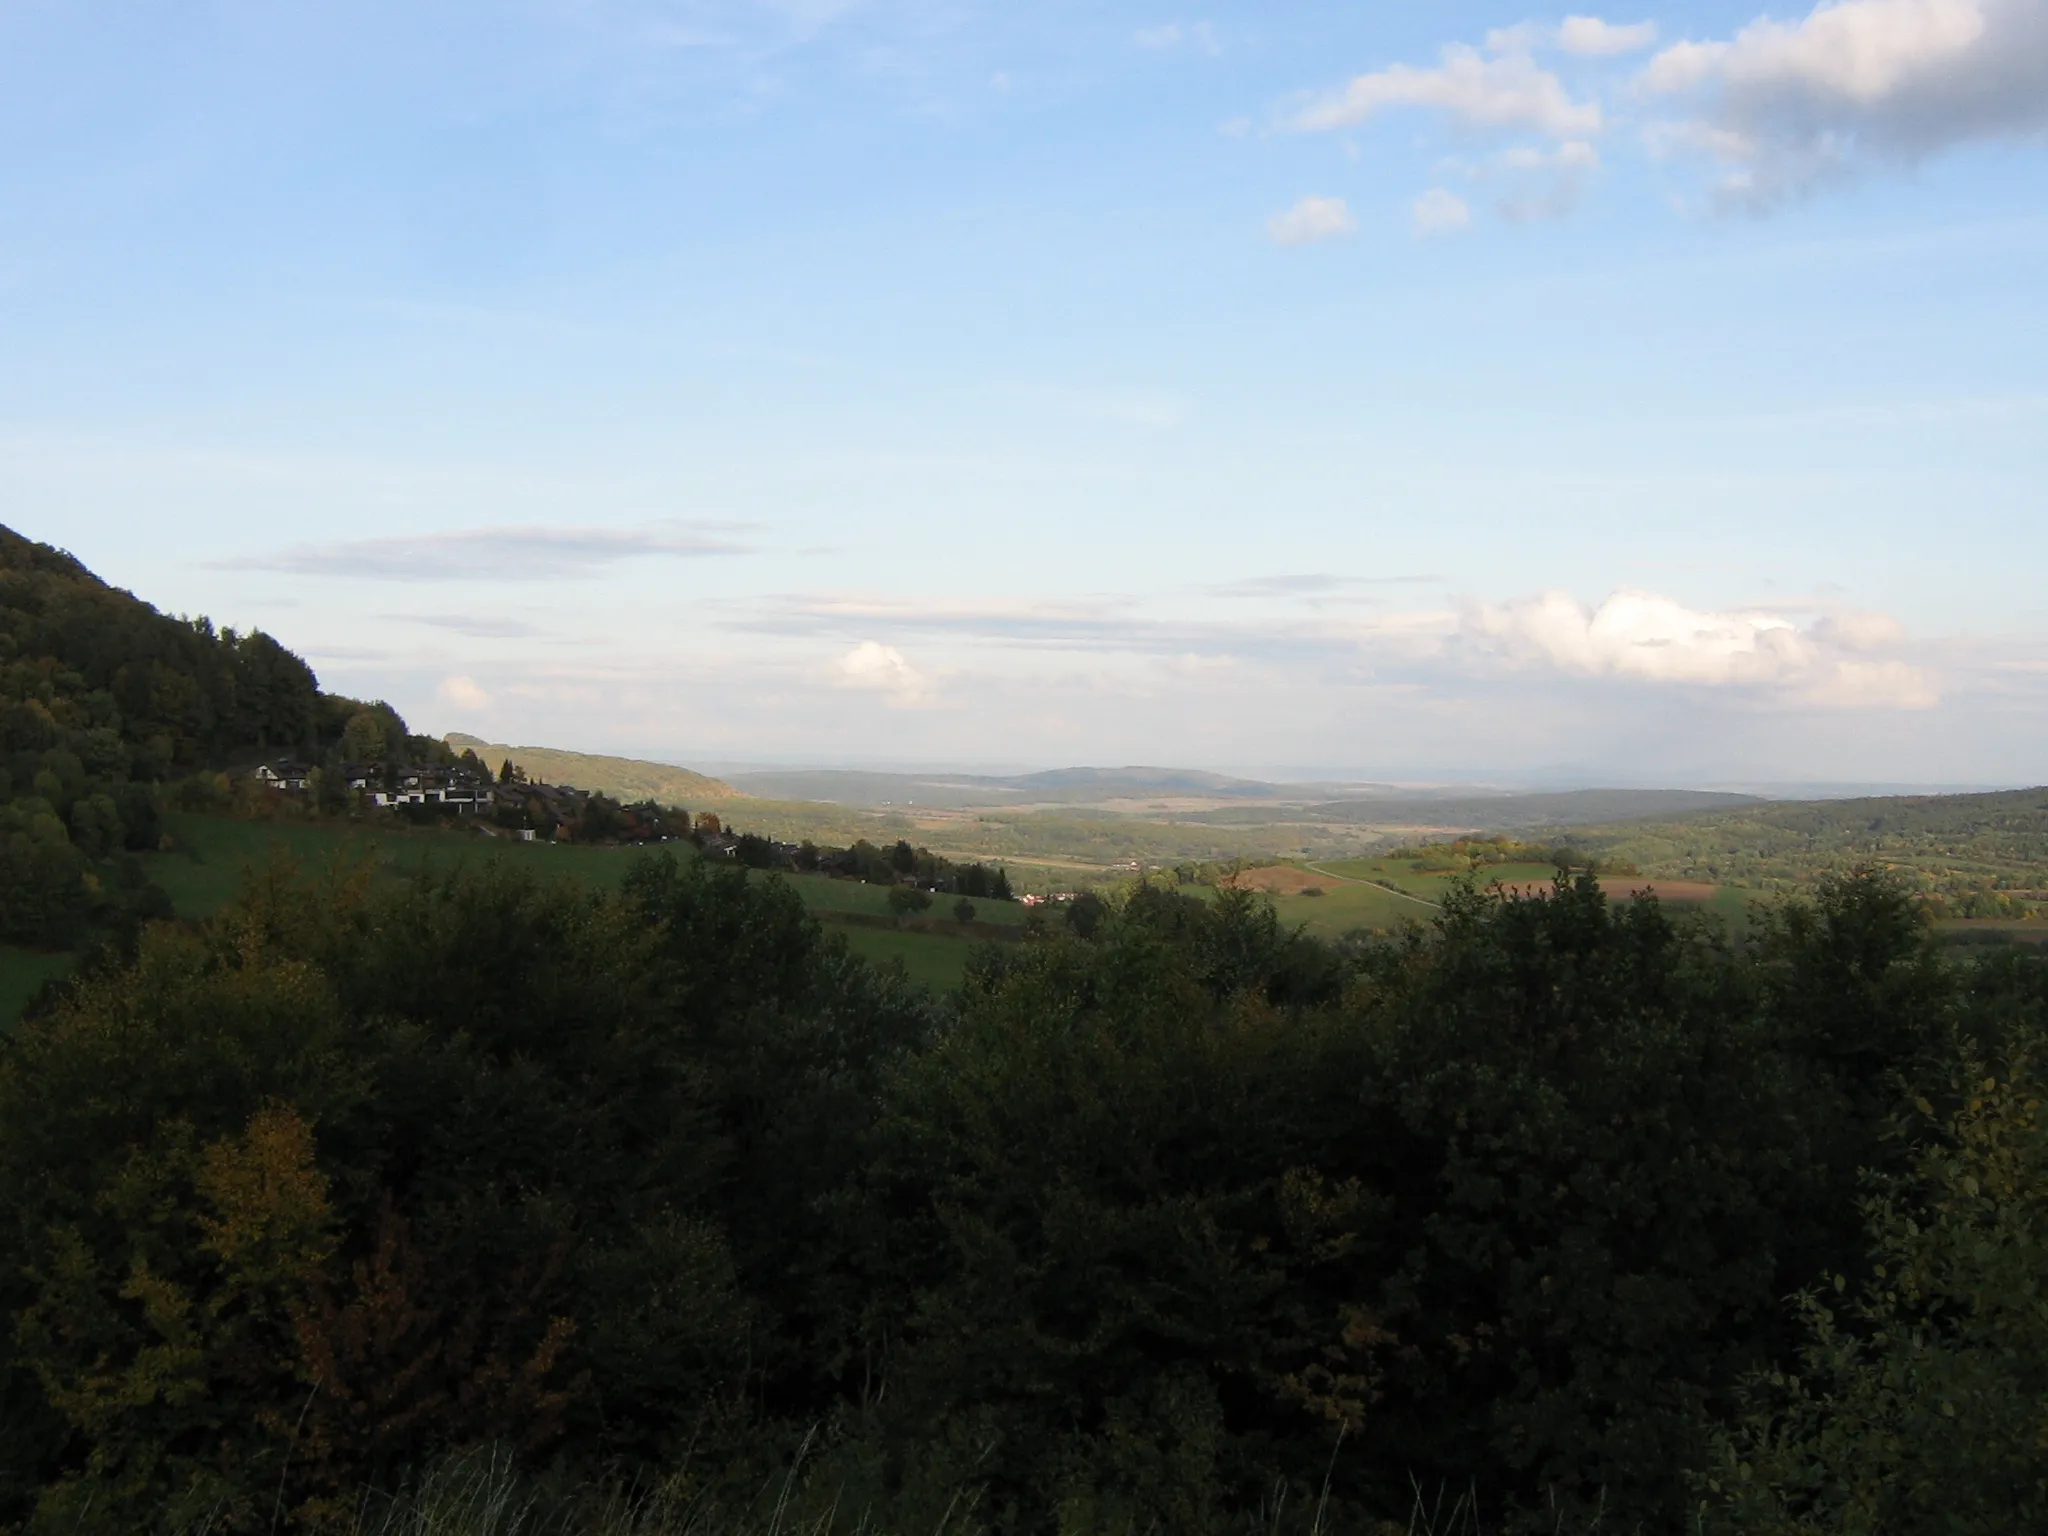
[1191,1225]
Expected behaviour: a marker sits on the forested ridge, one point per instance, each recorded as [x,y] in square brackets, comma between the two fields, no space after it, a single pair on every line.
[103,702]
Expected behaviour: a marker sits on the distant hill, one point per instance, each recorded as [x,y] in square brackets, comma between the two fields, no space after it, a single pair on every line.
[1055,786]
[628,779]
[1489,811]
[1572,807]
[1137,783]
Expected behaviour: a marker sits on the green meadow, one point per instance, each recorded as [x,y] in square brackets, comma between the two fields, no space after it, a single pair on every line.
[211,856]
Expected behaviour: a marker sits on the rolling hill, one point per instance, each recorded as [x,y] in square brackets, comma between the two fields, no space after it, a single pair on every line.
[628,779]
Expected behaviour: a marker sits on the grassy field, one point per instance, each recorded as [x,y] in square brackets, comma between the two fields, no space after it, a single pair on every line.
[212,855]
[937,960]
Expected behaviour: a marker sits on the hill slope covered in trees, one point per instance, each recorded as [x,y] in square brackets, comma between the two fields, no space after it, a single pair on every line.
[103,700]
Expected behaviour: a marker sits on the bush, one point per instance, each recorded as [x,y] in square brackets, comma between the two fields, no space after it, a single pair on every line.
[904,900]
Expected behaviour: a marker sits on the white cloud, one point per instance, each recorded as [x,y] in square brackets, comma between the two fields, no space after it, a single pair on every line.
[1498,90]
[877,668]
[462,693]
[1650,638]
[1311,219]
[1785,106]
[1590,37]
[1163,36]
[1440,212]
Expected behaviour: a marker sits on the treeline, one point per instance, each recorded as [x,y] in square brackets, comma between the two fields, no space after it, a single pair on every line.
[1463,855]
[1193,1224]
[901,864]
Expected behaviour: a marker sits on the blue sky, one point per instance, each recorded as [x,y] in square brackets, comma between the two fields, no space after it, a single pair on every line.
[1388,388]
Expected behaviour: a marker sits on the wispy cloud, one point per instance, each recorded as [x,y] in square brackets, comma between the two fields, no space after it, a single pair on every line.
[1200,35]
[1488,90]
[1590,37]
[1313,587]
[1440,211]
[1310,220]
[520,553]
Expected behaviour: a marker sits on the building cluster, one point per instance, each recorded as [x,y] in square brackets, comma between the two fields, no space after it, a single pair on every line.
[458,788]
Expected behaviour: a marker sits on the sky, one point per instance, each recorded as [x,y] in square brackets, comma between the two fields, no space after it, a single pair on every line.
[1397,390]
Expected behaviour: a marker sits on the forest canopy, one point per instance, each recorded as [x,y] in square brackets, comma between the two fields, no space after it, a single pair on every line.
[1143,1230]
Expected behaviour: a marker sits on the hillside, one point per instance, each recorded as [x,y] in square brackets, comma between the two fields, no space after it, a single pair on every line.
[1982,855]
[626,779]
[102,698]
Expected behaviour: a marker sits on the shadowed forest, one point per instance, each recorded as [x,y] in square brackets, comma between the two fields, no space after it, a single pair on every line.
[1560,1210]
